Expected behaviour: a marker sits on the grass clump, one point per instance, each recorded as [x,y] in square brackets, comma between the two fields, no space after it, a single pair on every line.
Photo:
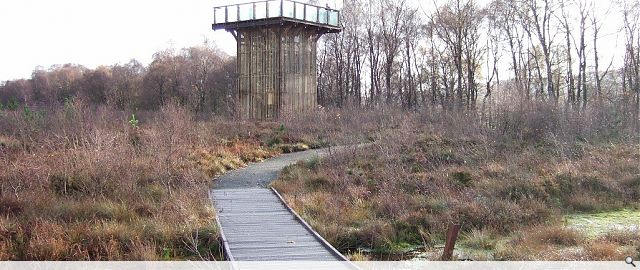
[290,148]
[462,178]
[9,143]
[554,235]
[479,239]
[215,162]
[605,251]
[63,185]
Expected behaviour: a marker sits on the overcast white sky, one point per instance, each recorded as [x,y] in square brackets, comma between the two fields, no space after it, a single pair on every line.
[92,33]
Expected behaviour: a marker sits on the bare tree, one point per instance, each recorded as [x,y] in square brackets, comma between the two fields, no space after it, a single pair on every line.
[596,27]
[540,14]
[580,46]
[455,24]
[495,20]
[571,87]
[631,68]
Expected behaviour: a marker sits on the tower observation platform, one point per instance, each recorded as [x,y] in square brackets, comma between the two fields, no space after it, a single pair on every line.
[276,54]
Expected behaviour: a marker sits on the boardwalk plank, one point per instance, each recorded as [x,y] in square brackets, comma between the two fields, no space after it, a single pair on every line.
[258,226]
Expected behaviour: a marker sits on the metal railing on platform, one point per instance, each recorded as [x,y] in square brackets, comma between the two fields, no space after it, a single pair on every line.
[276,9]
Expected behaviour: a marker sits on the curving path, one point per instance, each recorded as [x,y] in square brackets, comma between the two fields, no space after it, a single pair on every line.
[255,224]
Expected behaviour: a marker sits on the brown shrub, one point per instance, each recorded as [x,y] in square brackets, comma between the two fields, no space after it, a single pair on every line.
[5,251]
[107,249]
[376,234]
[11,206]
[604,251]
[215,162]
[621,237]
[47,241]
[141,251]
[7,234]
[632,185]
[145,210]
[555,235]
[9,144]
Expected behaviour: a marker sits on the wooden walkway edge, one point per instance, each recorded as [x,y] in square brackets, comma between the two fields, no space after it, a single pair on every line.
[308,227]
[257,225]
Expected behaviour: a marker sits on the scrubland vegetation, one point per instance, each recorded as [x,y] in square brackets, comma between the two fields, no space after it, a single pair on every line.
[509,182]
[87,182]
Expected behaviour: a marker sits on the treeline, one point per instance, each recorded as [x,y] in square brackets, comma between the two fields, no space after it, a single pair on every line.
[459,53]
[454,55]
[201,78]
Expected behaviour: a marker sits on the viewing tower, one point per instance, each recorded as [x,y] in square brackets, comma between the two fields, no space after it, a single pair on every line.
[276,56]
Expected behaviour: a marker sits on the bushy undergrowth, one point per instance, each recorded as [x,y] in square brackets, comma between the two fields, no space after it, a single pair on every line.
[497,177]
[89,183]
[93,183]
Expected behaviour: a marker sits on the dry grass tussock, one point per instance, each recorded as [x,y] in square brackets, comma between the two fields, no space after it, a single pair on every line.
[498,174]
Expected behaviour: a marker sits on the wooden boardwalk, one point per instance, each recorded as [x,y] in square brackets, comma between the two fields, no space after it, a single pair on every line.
[257,226]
